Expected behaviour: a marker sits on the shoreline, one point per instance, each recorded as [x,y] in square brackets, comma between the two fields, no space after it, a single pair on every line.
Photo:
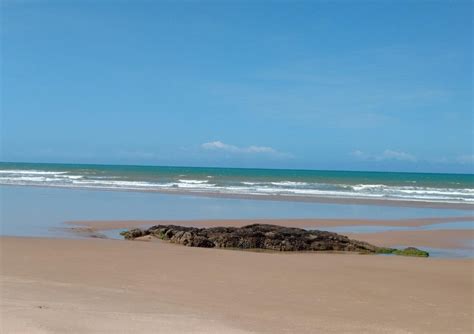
[286,198]
[90,285]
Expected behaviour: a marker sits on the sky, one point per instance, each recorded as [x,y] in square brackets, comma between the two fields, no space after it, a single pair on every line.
[344,85]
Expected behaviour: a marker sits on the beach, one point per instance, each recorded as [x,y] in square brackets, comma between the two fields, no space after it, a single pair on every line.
[66,269]
[93,286]
[236,167]
[339,187]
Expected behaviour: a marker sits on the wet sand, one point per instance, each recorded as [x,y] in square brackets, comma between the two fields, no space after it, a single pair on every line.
[435,238]
[92,286]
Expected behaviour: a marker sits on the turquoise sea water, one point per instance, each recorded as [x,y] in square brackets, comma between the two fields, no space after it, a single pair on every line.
[266,183]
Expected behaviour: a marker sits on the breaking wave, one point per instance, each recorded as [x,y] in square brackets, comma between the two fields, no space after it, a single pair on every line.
[216,184]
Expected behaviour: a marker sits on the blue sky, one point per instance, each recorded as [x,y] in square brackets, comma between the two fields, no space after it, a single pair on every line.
[347,85]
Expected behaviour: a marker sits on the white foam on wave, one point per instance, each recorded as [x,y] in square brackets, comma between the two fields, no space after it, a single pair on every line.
[278,183]
[30,172]
[415,192]
[122,184]
[196,186]
[360,187]
[142,185]
[40,178]
[193,181]
[309,192]
[72,177]
[437,198]
[450,192]
[24,178]
[364,191]
[263,188]
[289,183]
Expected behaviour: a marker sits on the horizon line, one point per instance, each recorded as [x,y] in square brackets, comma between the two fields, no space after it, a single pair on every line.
[217,167]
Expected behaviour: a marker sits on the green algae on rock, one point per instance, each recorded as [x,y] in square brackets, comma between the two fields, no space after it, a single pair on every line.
[409,251]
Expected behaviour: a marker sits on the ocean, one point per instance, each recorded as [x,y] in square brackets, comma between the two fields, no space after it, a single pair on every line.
[264,183]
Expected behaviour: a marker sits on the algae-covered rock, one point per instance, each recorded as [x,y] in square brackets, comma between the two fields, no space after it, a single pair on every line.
[264,236]
[255,236]
[411,251]
[384,250]
[133,233]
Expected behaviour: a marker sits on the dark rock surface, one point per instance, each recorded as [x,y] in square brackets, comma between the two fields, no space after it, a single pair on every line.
[256,236]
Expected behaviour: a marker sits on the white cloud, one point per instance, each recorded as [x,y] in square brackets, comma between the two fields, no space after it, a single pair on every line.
[396,155]
[358,154]
[253,149]
[385,155]
[260,149]
[218,145]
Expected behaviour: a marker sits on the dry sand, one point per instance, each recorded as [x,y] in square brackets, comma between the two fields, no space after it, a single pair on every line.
[111,286]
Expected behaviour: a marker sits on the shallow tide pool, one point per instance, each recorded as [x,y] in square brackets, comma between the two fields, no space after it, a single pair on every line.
[40,211]
[462,225]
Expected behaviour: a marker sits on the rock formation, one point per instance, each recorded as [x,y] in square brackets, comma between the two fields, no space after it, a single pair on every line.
[256,236]
[264,236]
